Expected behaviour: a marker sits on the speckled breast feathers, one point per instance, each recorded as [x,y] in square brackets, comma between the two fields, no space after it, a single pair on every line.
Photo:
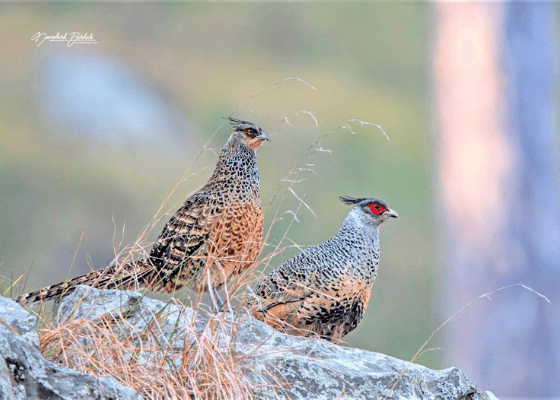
[325,289]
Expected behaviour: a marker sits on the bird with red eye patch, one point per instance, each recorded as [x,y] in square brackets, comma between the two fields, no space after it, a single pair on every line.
[325,289]
[380,209]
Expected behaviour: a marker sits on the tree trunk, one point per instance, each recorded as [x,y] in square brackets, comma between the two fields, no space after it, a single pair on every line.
[494,69]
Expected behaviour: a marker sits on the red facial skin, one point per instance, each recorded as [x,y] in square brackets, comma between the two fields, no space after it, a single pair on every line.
[377,208]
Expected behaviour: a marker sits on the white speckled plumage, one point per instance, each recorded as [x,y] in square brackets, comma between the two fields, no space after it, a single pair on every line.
[325,289]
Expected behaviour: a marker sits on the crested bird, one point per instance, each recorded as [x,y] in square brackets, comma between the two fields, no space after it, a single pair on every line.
[325,289]
[213,237]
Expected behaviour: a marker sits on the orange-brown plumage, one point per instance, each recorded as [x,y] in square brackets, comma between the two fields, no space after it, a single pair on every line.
[213,237]
[206,236]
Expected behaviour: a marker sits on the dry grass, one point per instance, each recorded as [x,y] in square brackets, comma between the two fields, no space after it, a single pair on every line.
[206,366]
[187,359]
[203,366]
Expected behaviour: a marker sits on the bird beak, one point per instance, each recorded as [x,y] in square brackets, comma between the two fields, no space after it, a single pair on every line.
[392,213]
[263,136]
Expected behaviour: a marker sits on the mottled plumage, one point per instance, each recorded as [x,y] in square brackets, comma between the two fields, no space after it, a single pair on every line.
[217,231]
[325,289]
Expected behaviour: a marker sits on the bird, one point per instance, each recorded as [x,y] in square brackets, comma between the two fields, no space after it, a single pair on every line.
[214,236]
[325,289]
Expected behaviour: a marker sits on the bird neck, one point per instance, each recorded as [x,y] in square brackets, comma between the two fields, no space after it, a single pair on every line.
[234,148]
[362,237]
[237,165]
[355,229]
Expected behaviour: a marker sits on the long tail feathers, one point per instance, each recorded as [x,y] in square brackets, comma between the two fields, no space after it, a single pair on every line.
[131,276]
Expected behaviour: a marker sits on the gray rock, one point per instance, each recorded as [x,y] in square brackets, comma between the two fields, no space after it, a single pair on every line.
[13,315]
[308,368]
[490,395]
[25,374]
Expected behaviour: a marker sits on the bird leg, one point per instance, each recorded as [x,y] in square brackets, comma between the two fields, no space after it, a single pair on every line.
[220,301]
[210,290]
[217,302]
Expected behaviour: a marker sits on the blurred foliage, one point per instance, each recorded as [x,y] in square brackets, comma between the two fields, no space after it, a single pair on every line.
[200,62]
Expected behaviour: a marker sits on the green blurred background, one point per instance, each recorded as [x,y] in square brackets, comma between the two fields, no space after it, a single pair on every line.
[93,137]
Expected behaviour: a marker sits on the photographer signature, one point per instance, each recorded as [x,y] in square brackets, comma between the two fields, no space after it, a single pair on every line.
[70,39]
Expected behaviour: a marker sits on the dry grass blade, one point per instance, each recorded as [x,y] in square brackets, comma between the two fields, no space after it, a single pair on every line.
[457,314]
[160,361]
[362,123]
[12,285]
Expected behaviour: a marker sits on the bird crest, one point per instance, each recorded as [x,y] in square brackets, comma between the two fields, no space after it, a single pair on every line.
[376,206]
[239,124]
[350,201]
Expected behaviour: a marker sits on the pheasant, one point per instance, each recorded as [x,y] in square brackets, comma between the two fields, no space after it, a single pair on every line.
[325,289]
[213,237]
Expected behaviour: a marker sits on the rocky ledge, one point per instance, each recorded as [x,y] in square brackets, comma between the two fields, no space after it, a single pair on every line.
[25,374]
[276,365]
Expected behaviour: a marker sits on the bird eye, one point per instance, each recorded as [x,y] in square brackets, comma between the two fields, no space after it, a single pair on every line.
[249,132]
[376,208]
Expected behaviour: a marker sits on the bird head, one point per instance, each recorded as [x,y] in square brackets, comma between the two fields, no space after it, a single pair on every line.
[249,134]
[371,209]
